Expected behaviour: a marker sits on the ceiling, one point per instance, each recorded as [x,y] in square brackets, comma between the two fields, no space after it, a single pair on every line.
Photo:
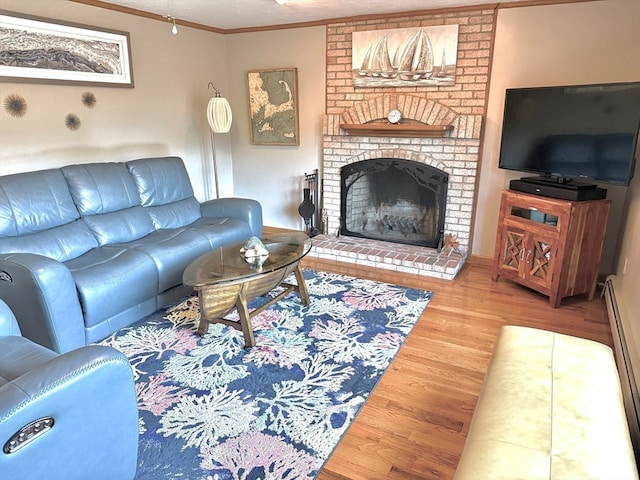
[241,14]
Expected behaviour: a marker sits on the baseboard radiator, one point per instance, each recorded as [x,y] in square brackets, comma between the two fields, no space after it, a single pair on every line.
[623,355]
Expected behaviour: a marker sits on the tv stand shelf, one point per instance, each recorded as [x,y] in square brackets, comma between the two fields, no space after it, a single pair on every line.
[550,245]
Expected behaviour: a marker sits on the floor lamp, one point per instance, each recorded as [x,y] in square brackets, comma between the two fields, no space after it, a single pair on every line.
[219,117]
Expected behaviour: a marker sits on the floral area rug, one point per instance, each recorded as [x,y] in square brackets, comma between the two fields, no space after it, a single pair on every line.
[211,409]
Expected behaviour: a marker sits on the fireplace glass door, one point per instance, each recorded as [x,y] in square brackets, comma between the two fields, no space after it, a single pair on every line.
[393,200]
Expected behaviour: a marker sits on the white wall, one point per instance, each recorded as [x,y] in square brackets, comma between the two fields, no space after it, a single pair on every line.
[563,44]
[163,115]
[628,272]
[274,174]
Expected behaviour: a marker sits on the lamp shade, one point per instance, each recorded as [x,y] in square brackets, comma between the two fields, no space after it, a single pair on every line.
[219,114]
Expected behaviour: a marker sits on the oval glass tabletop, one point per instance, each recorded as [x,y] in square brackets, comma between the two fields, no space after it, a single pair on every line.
[228,264]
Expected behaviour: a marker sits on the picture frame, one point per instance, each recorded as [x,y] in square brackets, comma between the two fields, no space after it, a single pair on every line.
[405,57]
[273,106]
[41,50]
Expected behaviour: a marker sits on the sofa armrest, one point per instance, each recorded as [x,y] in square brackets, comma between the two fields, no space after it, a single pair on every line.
[242,208]
[90,395]
[42,295]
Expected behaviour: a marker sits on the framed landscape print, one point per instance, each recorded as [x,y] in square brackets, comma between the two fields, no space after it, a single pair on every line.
[273,104]
[39,50]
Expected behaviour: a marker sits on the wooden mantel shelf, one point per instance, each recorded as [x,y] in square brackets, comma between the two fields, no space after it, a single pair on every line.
[396,130]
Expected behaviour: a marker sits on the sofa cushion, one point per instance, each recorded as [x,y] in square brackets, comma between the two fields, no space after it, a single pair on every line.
[60,243]
[122,226]
[110,280]
[165,189]
[30,356]
[25,209]
[176,214]
[41,220]
[99,188]
[171,250]
[222,231]
[107,198]
[8,323]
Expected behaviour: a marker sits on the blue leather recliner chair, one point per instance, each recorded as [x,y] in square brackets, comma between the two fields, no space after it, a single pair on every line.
[70,416]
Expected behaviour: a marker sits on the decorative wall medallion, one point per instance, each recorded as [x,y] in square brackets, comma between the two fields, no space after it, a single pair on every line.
[15,105]
[72,121]
[89,99]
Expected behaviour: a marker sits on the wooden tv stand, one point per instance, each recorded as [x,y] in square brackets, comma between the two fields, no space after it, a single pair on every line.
[550,245]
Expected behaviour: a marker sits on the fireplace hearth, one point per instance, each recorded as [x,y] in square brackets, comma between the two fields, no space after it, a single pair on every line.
[393,200]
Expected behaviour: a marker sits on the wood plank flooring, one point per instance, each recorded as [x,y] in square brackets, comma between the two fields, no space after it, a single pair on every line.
[413,426]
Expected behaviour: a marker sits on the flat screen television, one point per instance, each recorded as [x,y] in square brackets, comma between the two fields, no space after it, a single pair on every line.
[572,132]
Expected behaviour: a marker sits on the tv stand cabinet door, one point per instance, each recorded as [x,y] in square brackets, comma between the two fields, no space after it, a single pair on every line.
[527,255]
[540,259]
[510,251]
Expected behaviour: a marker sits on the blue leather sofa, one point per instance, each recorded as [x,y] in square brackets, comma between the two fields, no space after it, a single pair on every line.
[77,412]
[88,249]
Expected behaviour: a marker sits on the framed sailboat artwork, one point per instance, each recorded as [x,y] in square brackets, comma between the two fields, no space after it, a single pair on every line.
[405,56]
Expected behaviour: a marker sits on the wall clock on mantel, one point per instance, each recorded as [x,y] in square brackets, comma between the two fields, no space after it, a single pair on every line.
[394,116]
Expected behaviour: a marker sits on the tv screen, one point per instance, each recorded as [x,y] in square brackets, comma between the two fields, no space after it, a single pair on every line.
[569,132]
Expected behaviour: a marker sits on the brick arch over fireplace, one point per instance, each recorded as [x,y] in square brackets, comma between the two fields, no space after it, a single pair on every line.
[414,108]
[400,154]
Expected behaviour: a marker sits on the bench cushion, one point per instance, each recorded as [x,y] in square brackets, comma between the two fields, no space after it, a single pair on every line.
[550,408]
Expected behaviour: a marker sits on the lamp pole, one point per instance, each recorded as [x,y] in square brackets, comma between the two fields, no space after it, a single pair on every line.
[219,116]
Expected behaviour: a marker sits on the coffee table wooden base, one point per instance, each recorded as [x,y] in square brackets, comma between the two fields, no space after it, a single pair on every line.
[218,300]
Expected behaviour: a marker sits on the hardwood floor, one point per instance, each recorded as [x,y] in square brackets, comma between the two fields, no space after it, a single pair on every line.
[414,424]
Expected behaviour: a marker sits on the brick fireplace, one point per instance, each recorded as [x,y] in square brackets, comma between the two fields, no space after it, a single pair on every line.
[455,150]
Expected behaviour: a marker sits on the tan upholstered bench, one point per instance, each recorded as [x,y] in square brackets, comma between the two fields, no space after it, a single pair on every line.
[550,408]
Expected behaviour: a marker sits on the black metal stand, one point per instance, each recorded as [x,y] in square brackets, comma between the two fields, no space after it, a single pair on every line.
[309,210]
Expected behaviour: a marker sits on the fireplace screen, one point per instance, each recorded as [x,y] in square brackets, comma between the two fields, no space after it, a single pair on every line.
[393,200]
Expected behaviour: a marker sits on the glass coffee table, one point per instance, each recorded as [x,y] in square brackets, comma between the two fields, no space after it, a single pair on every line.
[226,281]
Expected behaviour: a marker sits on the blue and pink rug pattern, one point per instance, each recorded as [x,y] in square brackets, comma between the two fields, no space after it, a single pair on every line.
[213,410]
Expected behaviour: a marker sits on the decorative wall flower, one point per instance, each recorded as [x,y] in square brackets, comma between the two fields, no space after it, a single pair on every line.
[88,99]
[72,121]
[15,105]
